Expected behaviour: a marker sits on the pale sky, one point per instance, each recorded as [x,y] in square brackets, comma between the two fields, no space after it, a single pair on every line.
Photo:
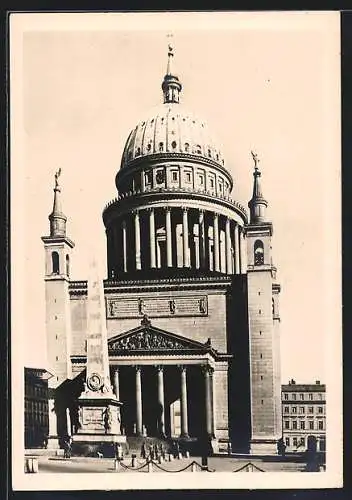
[268,86]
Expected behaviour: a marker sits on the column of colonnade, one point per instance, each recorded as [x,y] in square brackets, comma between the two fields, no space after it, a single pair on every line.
[208,403]
[125,241]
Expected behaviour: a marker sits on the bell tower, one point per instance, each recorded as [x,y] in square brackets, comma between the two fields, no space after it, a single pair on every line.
[264,342]
[58,249]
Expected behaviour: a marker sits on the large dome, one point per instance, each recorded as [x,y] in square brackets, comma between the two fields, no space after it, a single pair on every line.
[170,128]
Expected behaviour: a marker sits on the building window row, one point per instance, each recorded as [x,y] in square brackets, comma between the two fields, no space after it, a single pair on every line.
[303,410]
[303,425]
[302,396]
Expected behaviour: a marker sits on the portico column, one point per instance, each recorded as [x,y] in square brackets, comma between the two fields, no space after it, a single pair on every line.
[201,239]
[216,243]
[161,399]
[137,231]
[184,409]
[138,401]
[228,247]
[243,252]
[185,237]
[124,246]
[168,237]
[208,401]
[116,384]
[53,441]
[152,239]
[68,422]
[237,250]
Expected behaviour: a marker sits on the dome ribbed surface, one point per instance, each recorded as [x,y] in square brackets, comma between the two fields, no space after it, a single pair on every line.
[170,128]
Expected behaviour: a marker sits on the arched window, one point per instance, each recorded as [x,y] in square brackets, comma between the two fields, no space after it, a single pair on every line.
[67,265]
[258,253]
[55,262]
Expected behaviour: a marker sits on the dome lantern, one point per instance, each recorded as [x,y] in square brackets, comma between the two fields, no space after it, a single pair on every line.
[171,85]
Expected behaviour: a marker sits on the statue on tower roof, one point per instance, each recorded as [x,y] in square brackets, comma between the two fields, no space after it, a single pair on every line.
[57,175]
[255,159]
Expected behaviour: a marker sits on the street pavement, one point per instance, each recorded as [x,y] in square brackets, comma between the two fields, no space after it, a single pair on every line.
[105,465]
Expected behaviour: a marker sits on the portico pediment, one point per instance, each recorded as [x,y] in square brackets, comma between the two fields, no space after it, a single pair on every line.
[148,338]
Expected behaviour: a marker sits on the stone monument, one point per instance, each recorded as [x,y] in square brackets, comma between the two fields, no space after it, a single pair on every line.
[98,408]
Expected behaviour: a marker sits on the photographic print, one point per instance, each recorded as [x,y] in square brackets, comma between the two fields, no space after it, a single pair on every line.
[175,239]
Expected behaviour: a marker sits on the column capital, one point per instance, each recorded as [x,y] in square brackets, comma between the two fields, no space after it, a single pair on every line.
[182,368]
[159,368]
[138,368]
[185,209]
[150,209]
[167,209]
[207,369]
[136,211]
[216,215]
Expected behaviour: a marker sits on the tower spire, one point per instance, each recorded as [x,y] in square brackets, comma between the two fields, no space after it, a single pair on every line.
[171,85]
[257,204]
[57,218]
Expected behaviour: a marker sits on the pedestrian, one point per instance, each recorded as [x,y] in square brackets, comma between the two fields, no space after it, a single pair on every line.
[143,450]
[177,449]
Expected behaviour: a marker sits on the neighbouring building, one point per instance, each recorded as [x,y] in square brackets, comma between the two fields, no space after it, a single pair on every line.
[303,415]
[36,418]
[192,302]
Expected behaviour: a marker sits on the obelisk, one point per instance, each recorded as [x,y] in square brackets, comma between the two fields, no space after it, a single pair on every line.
[99,409]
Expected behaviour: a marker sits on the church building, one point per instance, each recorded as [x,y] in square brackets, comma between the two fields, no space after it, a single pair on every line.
[191,300]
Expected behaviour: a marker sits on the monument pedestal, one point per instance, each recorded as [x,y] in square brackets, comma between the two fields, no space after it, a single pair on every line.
[262,446]
[99,425]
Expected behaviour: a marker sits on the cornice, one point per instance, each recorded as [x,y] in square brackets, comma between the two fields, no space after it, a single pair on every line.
[79,288]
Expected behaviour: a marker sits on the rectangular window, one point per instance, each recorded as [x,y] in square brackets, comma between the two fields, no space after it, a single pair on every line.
[301,410]
[294,424]
[320,396]
[302,425]
[310,409]
[310,397]
[311,425]
[294,397]
[294,441]
[287,424]
[212,183]
[294,409]
[148,177]
[320,425]
[201,180]
[320,409]
[285,395]
[286,409]
[174,176]
[287,441]
[301,397]
[220,188]
[302,442]
[188,176]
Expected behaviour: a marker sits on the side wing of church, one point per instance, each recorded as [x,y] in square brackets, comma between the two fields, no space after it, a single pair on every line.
[191,301]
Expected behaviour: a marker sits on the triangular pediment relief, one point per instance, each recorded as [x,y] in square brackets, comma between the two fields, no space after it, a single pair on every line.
[150,338]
